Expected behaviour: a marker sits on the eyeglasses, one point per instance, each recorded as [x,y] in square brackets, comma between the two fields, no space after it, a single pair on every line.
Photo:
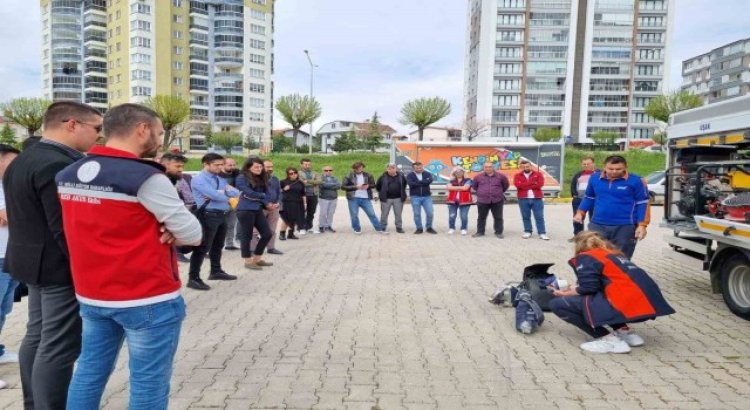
[97,128]
[291,173]
[327,170]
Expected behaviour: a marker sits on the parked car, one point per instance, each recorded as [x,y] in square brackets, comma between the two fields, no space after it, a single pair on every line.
[656,182]
[653,148]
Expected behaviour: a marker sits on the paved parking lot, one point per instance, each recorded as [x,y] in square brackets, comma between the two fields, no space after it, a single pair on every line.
[402,321]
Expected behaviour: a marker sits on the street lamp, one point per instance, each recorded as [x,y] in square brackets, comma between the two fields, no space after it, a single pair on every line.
[312,71]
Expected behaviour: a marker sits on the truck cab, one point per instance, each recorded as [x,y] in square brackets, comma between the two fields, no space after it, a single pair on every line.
[707,194]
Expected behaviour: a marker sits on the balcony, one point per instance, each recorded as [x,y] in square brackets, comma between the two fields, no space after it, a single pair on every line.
[228,90]
[228,62]
[194,26]
[221,120]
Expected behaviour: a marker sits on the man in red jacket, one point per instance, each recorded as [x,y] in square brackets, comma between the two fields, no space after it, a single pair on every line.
[529,185]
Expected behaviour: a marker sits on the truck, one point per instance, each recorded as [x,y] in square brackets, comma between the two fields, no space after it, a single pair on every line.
[707,195]
[439,158]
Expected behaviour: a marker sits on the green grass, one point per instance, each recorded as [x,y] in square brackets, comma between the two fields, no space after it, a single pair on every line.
[341,163]
[639,162]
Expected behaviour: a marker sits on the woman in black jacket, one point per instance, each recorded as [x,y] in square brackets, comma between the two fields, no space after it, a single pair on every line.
[293,191]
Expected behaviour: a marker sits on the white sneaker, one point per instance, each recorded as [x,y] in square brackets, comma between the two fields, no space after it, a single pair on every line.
[451,231]
[629,337]
[316,231]
[9,357]
[301,232]
[3,384]
[463,232]
[526,235]
[607,344]
[544,237]
[383,232]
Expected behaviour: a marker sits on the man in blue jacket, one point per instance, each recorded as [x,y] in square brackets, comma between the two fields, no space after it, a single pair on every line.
[421,197]
[620,203]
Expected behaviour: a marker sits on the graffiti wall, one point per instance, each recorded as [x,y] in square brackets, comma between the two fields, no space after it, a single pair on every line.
[440,160]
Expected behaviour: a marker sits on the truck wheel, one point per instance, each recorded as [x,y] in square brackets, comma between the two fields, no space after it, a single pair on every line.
[735,285]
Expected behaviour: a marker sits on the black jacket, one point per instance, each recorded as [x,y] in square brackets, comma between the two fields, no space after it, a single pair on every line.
[574,185]
[350,184]
[37,253]
[419,187]
[382,186]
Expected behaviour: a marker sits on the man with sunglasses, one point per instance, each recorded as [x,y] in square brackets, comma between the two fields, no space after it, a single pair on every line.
[38,254]
[328,198]
[620,203]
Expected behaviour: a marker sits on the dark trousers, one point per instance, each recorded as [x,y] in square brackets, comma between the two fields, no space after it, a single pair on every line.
[497,215]
[576,226]
[249,220]
[312,205]
[214,231]
[50,348]
[622,236]
[571,310]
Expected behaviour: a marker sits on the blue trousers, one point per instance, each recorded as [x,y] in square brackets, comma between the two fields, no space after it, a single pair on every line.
[571,310]
[7,290]
[622,236]
[419,202]
[354,205]
[152,333]
[453,211]
[535,206]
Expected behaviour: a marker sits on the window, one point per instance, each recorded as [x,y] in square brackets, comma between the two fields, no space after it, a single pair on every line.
[140,75]
[505,116]
[548,35]
[613,36]
[655,38]
[257,131]
[118,30]
[177,18]
[647,86]
[549,19]
[610,68]
[117,15]
[608,84]
[544,100]
[608,101]
[546,52]
[255,116]
[177,3]
[510,19]
[546,68]
[257,88]
[141,58]
[258,44]
[545,83]
[261,2]
[641,102]
[118,46]
[613,19]
[141,91]
[505,132]
[649,69]
[611,52]
[139,8]
[140,42]
[257,14]
[177,80]
[651,21]
[508,52]
[642,133]
[506,100]
[543,116]
[642,117]
[649,54]
[256,102]
[178,65]
[505,35]
[507,68]
[177,50]
[256,29]
[256,58]
[178,34]
[140,25]
[512,4]
[256,73]
[507,84]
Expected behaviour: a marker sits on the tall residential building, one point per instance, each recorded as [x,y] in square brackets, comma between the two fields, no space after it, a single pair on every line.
[216,54]
[580,66]
[720,74]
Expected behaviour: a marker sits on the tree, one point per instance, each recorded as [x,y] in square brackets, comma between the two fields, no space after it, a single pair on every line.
[226,140]
[7,135]
[605,137]
[660,138]
[372,136]
[661,107]
[280,143]
[348,141]
[26,112]
[424,112]
[297,111]
[547,134]
[473,128]
[173,112]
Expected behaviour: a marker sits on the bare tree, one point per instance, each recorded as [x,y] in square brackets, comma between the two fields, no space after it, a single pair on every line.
[473,128]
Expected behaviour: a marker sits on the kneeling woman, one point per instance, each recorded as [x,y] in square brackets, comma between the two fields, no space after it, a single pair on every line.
[612,292]
[252,183]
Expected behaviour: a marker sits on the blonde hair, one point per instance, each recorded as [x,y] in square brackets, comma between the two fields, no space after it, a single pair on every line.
[455,170]
[588,240]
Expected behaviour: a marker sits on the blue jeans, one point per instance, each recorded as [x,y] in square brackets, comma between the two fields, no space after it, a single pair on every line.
[536,206]
[453,210]
[366,205]
[7,290]
[152,333]
[419,202]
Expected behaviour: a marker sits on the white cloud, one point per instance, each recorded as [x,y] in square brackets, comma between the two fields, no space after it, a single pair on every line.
[20,40]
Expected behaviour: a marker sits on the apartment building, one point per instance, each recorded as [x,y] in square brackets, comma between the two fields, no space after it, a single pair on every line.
[333,130]
[216,54]
[720,74]
[580,66]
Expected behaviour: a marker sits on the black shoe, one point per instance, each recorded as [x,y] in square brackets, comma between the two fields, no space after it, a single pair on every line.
[477,235]
[418,231]
[291,235]
[182,258]
[221,276]
[275,252]
[231,248]
[329,229]
[499,236]
[430,230]
[282,236]
[197,284]
[400,230]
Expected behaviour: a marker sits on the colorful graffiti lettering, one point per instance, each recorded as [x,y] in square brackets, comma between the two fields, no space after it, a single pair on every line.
[434,168]
[502,160]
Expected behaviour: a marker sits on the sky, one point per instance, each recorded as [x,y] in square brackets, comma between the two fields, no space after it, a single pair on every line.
[370,59]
